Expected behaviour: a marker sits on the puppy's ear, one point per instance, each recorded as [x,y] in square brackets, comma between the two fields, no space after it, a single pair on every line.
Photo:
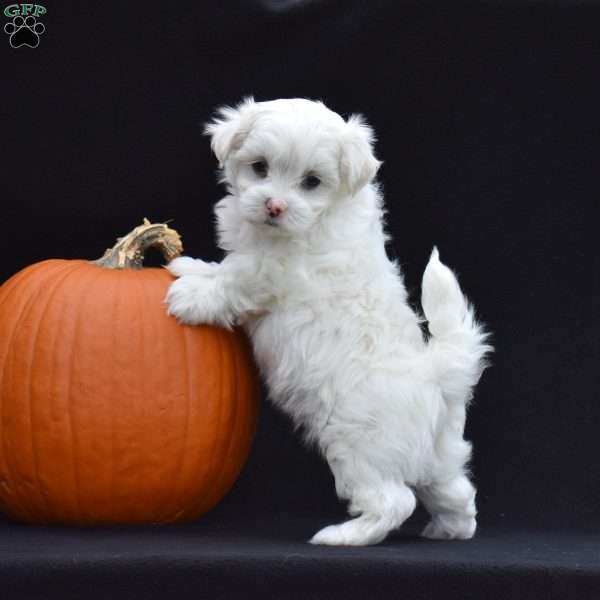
[230,128]
[358,165]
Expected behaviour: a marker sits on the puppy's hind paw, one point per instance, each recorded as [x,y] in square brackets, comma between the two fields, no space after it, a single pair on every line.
[450,529]
[361,531]
[329,536]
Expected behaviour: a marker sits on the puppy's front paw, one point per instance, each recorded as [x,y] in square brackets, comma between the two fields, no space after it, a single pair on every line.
[186,265]
[194,300]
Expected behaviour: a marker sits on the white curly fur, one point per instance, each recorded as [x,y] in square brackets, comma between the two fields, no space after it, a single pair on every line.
[341,350]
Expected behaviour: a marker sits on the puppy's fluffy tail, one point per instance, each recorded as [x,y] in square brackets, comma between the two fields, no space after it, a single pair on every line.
[458,342]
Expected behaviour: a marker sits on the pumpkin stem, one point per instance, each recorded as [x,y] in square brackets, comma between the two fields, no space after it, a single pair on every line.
[128,252]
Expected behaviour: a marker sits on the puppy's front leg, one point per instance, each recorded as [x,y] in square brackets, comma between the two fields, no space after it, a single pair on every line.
[203,293]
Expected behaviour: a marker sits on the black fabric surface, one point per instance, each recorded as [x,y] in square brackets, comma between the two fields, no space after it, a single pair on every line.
[488,123]
[270,559]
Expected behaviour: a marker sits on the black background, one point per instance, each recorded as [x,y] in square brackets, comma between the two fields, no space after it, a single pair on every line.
[488,123]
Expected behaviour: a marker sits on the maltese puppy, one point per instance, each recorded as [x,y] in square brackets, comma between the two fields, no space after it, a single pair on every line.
[343,354]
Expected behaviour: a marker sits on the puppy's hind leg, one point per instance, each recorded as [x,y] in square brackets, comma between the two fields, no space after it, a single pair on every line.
[383,505]
[451,505]
[382,510]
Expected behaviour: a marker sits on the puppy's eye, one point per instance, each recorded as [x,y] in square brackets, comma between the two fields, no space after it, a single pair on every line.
[310,182]
[260,168]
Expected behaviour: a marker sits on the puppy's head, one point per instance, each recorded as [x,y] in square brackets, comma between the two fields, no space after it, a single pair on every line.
[287,161]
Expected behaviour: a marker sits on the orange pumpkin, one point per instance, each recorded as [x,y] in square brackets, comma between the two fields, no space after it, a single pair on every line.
[110,410]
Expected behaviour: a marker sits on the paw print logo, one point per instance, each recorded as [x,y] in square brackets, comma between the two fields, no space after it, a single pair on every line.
[24,31]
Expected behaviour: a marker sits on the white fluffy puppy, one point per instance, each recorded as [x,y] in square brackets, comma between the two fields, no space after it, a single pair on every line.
[307,275]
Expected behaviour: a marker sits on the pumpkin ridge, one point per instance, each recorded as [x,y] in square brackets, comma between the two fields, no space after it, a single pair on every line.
[5,293]
[30,362]
[223,482]
[190,510]
[225,391]
[213,448]
[146,294]
[77,327]
[163,505]
[114,303]
[207,472]
[9,470]
[141,296]
[177,480]
[157,275]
